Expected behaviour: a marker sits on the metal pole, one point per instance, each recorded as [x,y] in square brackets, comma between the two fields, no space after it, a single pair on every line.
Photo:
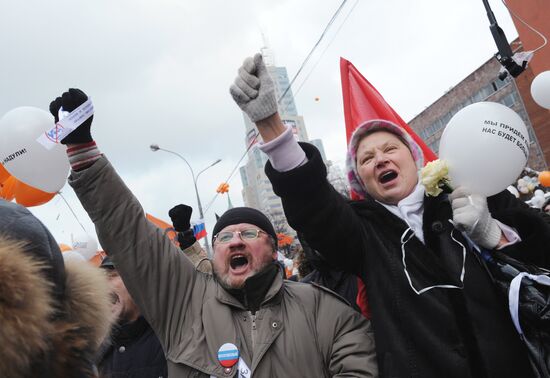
[201,214]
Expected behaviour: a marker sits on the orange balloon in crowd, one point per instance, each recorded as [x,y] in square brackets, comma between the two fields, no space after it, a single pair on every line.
[8,188]
[4,174]
[28,196]
[544,178]
[64,247]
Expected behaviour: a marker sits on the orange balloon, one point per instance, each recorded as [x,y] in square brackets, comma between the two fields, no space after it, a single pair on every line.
[28,196]
[7,188]
[4,174]
[64,247]
[544,178]
[98,258]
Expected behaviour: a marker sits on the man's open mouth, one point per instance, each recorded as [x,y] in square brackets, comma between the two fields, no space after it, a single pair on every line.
[238,261]
[387,176]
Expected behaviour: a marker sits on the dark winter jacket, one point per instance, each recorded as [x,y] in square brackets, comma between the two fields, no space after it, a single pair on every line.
[134,351]
[443,332]
[53,314]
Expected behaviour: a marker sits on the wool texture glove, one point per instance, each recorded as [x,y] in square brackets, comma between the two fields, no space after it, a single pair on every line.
[181,217]
[253,89]
[69,101]
[186,239]
[471,215]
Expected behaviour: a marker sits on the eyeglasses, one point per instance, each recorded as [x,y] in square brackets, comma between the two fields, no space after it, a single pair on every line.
[227,236]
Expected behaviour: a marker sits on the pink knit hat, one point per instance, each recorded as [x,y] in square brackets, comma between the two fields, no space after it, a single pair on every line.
[382,125]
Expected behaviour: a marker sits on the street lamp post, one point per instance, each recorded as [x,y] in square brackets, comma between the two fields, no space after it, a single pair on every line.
[155,147]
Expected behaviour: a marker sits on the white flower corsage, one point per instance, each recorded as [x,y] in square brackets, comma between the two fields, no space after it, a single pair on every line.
[434,176]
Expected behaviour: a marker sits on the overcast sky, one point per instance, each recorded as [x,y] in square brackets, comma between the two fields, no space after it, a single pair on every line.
[158,71]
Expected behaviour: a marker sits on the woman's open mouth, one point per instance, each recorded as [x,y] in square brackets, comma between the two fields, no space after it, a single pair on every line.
[387,176]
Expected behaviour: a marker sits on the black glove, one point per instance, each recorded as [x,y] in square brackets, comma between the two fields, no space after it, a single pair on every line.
[69,101]
[186,238]
[181,216]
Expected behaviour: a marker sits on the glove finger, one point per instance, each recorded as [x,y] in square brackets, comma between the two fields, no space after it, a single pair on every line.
[54,108]
[459,203]
[251,80]
[461,191]
[249,65]
[243,86]
[238,95]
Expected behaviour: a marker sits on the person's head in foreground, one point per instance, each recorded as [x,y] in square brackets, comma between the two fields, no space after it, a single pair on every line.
[54,314]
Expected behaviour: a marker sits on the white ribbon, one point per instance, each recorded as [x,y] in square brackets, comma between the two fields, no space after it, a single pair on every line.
[513,294]
[403,253]
[66,125]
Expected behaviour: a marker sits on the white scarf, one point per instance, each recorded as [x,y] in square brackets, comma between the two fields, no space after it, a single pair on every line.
[411,210]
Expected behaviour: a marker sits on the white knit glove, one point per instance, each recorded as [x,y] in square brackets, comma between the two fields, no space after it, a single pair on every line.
[253,89]
[471,215]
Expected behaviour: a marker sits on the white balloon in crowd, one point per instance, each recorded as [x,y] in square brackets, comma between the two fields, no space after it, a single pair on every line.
[538,199]
[85,245]
[527,184]
[486,146]
[25,158]
[540,89]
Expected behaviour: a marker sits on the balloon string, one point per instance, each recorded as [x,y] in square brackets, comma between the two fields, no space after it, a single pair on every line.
[70,208]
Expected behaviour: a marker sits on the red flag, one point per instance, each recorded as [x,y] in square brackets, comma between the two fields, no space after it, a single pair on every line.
[362,102]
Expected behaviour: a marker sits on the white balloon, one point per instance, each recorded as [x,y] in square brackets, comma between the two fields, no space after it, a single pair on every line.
[540,89]
[25,158]
[85,245]
[486,146]
[73,256]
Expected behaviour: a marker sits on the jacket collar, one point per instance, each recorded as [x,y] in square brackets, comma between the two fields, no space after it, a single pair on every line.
[229,296]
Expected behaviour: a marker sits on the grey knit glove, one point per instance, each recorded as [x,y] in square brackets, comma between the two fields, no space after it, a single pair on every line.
[253,89]
[471,215]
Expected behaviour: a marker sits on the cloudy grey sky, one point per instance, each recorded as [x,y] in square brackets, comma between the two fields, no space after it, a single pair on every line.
[158,71]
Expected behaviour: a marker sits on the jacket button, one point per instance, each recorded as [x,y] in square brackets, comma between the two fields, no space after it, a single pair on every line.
[437,226]
[227,371]
[274,324]
[122,349]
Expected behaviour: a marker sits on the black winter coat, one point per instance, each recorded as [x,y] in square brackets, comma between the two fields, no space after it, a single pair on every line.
[134,351]
[443,332]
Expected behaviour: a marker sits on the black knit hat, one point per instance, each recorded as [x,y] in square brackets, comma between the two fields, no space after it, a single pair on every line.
[238,215]
[19,224]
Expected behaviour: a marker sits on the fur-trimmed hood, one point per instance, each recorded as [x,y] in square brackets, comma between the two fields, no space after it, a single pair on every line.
[41,335]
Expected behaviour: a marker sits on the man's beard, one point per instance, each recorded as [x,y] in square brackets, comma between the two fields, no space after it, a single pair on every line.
[224,279]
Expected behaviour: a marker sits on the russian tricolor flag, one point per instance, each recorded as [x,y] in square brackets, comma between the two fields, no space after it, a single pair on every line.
[199,229]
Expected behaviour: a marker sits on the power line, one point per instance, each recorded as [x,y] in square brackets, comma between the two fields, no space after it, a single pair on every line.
[313,48]
[326,48]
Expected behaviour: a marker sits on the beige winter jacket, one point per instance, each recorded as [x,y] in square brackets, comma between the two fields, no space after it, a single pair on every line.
[299,331]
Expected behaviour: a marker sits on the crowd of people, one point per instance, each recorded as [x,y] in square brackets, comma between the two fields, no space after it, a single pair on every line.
[430,307]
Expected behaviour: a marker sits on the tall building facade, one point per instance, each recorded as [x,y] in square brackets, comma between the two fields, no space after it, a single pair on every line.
[257,190]
[482,85]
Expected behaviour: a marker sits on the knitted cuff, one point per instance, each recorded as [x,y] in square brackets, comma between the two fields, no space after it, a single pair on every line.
[284,152]
[83,155]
